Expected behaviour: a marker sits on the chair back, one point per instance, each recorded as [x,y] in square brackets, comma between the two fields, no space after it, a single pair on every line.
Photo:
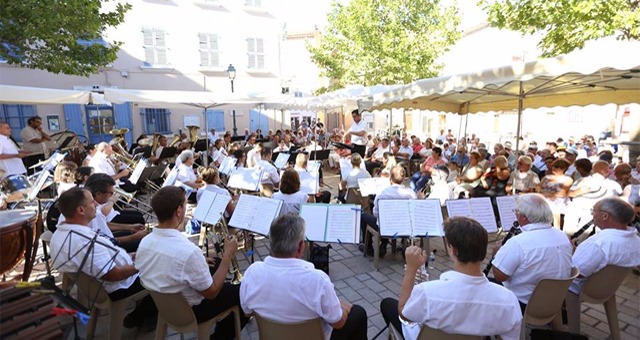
[354,196]
[427,333]
[547,298]
[272,330]
[175,311]
[92,290]
[603,284]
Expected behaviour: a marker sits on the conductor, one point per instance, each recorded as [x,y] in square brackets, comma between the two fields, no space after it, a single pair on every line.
[357,133]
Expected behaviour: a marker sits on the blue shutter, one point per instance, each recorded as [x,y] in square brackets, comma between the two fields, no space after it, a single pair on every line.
[16,116]
[215,120]
[73,118]
[259,120]
[122,117]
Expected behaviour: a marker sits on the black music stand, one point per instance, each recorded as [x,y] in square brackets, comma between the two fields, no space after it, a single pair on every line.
[355,148]
[145,151]
[274,156]
[146,174]
[168,152]
[158,171]
[319,155]
[201,145]
[292,157]
[237,139]
[66,142]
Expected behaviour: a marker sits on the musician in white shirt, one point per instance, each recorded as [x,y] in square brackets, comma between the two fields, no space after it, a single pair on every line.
[290,193]
[352,178]
[101,162]
[270,175]
[34,137]
[357,130]
[10,155]
[462,301]
[253,155]
[211,177]
[186,175]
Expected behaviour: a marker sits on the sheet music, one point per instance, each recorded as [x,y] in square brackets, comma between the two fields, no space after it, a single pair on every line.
[314,166]
[372,186]
[210,207]
[482,211]
[309,182]
[459,207]
[204,204]
[245,179]
[246,216]
[342,224]
[281,160]
[171,178]
[395,218]
[227,165]
[315,218]
[426,216]
[220,158]
[506,207]
[135,176]
[345,167]
[35,190]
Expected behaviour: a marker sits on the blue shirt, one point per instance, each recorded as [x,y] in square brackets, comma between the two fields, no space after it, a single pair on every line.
[461,160]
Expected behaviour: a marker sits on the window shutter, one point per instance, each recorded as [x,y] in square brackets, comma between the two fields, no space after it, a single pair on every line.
[161,50]
[251,53]
[204,51]
[214,50]
[147,37]
[257,3]
[260,53]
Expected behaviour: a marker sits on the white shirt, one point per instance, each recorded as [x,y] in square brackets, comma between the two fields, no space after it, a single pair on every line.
[405,149]
[270,175]
[540,252]
[62,187]
[158,151]
[253,158]
[357,127]
[290,290]
[185,174]
[68,250]
[98,224]
[379,153]
[393,192]
[169,263]
[213,188]
[11,166]
[354,175]
[291,202]
[29,133]
[609,246]
[463,304]
[102,165]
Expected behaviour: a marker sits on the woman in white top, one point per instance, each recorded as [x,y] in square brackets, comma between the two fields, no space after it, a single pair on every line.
[211,177]
[65,176]
[186,176]
[290,193]
[351,181]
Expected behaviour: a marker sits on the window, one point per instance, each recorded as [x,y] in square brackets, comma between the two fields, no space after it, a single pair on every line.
[255,53]
[209,50]
[155,46]
[253,3]
[16,115]
[156,120]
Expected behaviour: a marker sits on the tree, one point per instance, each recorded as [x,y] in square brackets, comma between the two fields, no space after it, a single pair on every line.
[385,42]
[566,24]
[58,35]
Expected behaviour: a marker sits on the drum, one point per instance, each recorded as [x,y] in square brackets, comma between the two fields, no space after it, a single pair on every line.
[17,238]
[15,187]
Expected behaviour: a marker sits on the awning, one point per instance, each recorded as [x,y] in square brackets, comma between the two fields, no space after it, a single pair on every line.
[39,95]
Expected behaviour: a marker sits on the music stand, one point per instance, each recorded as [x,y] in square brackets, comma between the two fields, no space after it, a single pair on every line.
[168,152]
[146,174]
[237,139]
[358,149]
[319,155]
[201,145]
[158,172]
[145,151]
[292,157]
[274,156]
[66,142]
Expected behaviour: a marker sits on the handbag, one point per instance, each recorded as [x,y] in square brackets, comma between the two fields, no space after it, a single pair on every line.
[319,256]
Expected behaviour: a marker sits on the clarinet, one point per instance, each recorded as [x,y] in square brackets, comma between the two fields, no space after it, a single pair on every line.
[515,230]
[582,230]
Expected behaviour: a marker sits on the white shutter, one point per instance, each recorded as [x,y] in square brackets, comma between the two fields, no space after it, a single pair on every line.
[214,50]
[204,49]
[147,42]
[257,3]
[161,50]
[251,53]
[260,53]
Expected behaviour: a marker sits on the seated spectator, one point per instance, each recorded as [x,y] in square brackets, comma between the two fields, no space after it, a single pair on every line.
[523,180]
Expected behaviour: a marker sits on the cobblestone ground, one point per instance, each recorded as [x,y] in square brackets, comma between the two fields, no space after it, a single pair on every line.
[357,281]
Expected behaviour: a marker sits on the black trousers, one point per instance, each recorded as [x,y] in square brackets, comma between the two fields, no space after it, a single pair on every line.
[356,326]
[30,160]
[146,308]
[389,311]
[325,197]
[228,297]
[128,216]
[370,165]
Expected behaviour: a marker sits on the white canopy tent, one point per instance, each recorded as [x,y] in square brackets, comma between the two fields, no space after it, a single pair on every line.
[39,95]
[576,79]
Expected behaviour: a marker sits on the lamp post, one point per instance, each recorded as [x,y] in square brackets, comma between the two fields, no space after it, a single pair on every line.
[232,76]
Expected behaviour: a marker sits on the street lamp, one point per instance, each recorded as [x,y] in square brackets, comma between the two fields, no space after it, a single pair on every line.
[232,75]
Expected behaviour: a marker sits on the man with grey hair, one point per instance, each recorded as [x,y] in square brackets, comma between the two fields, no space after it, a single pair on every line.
[287,289]
[539,252]
[616,244]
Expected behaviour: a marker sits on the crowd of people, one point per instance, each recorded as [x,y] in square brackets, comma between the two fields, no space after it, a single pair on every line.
[559,189]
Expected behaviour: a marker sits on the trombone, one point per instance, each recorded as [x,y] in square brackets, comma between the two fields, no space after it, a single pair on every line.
[126,198]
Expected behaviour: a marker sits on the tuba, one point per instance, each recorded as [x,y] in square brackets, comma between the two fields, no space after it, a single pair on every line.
[154,144]
[175,141]
[234,268]
[119,135]
[193,133]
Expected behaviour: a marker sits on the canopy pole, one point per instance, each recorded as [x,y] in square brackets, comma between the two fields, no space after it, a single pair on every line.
[466,123]
[459,128]
[518,130]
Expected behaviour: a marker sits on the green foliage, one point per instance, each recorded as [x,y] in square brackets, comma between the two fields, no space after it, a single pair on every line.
[566,24]
[386,42]
[45,34]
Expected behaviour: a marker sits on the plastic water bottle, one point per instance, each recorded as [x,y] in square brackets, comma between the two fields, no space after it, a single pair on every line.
[432,260]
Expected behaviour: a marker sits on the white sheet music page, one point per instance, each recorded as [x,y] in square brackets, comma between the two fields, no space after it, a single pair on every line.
[427,218]
[482,211]
[135,176]
[171,177]
[204,204]
[217,209]
[245,179]
[459,207]
[342,223]
[314,166]
[395,218]
[281,160]
[506,207]
[255,213]
[367,186]
[345,167]
[315,218]
[227,164]
[309,182]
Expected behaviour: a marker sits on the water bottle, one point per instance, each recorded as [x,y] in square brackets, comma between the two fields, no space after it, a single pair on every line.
[432,260]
